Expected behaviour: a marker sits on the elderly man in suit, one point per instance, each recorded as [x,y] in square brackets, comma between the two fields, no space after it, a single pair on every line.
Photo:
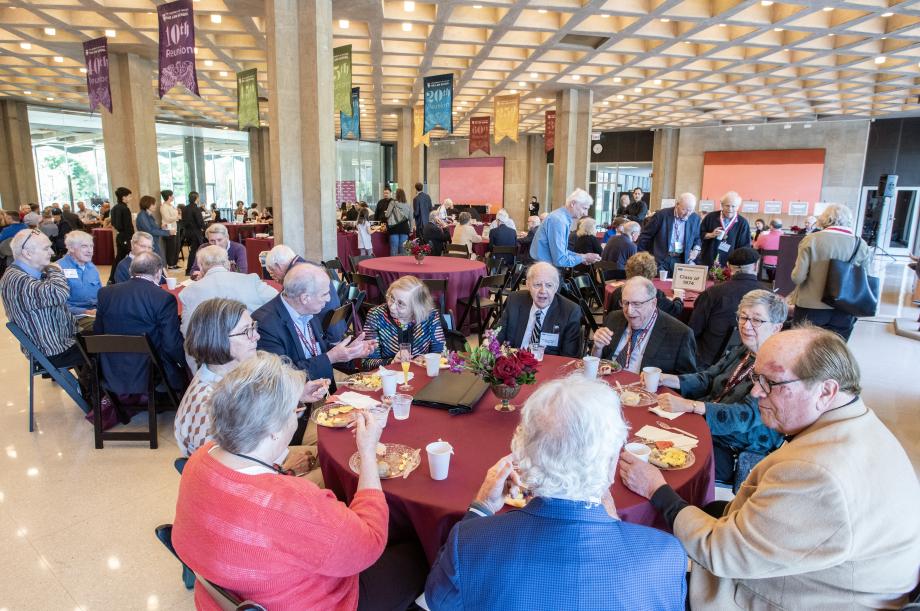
[140,307]
[827,521]
[724,231]
[622,245]
[503,234]
[565,549]
[218,281]
[217,235]
[640,335]
[436,234]
[289,325]
[539,315]
[673,234]
[141,241]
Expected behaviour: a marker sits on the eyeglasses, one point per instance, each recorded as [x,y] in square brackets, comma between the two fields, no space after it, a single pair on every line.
[635,304]
[249,332]
[767,384]
[26,241]
[755,322]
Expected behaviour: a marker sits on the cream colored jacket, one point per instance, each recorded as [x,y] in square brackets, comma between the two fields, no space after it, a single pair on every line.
[830,520]
[810,271]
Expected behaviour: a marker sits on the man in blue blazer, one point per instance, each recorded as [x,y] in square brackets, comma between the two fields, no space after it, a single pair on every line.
[673,234]
[217,235]
[289,325]
[503,235]
[566,548]
[421,208]
[140,307]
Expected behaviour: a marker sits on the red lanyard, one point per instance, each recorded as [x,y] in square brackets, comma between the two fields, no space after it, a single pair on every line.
[642,334]
[843,230]
[740,372]
[310,343]
[730,225]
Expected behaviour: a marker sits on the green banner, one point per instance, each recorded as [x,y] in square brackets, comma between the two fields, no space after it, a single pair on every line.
[341,75]
[247,98]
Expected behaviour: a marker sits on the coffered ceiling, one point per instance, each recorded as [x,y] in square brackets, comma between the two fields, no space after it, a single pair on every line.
[649,63]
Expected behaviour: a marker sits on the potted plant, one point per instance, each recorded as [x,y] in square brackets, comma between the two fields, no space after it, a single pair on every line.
[504,368]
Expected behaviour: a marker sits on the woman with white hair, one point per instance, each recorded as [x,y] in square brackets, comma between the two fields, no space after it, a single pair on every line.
[586,237]
[445,208]
[566,548]
[407,317]
[836,240]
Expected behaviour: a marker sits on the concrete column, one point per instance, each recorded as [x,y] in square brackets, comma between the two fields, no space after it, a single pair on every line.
[572,153]
[302,137]
[664,166]
[17,166]
[260,166]
[129,133]
[536,183]
[409,159]
[193,147]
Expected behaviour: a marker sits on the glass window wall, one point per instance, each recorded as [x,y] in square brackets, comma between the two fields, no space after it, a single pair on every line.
[361,163]
[608,181]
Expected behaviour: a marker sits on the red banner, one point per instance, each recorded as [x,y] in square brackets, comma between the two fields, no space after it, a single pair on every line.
[549,131]
[479,135]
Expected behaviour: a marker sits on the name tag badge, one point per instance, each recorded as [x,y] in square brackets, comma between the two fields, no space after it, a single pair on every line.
[549,340]
[724,247]
[678,247]
[70,273]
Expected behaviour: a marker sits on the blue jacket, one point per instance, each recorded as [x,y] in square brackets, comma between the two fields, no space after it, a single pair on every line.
[421,208]
[556,554]
[146,222]
[138,307]
[236,252]
[503,235]
[656,235]
[551,242]
[84,283]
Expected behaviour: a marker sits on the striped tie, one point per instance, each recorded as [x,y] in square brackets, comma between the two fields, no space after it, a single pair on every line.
[537,327]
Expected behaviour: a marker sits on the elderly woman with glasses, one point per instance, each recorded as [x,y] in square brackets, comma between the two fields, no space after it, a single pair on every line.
[407,317]
[722,393]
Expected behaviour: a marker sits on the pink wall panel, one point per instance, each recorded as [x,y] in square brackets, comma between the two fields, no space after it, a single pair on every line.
[785,175]
[478,180]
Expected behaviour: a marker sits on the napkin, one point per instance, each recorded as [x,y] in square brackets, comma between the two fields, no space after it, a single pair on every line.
[653,433]
[188,282]
[665,414]
[399,373]
[357,399]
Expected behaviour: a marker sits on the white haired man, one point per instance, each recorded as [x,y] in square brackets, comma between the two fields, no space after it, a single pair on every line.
[217,235]
[673,234]
[82,276]
[551,242]
[565,548]
[723,231]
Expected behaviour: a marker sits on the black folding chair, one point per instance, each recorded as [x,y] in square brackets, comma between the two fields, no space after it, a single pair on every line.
[438,290]
[458,249]
[454,340]
[494,264]
[456,255]
[39,365]
[336,270]
[766,272]
[365,282]
[475,304]
[353,260]
[92,346]
[607,270]
[340,314]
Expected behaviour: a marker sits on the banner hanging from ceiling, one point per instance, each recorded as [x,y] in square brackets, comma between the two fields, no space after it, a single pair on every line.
[549,131]
[351,125]
[479,134]
[418,120]
[177,46]
[96,55]
[247,98]
[507,115]
[439,102]
[341,79]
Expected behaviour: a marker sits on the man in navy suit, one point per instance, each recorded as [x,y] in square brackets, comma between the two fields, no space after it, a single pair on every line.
[503,235]
[217,236]
[140,307]
[421,208]
[565,549]
[724,231]
[673,234]
[289,325]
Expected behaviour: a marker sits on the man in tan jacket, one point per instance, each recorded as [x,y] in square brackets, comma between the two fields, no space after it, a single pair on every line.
[830,520]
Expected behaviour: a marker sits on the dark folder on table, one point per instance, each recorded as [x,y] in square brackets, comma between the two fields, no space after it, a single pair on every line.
[455,392]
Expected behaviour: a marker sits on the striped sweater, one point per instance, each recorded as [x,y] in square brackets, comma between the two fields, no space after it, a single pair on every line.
[39,307]
[425,337]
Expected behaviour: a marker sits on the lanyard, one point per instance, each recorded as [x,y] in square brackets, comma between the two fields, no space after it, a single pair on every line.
[740,372]
[310,343]
[843,230]
[731,224]
[275,468]
[642,334]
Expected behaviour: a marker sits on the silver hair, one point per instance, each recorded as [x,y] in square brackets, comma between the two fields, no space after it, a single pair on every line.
[579,196]
[433,215]
[541,265]
[733,197]
[645,283]
[217,228]
[20,238]
[280,255]
[687,198]
[140,235]
[305,279]
[448,201]
[212,256]
[253,401]
[77,238]
[631,227]
[773,303]
[146,264]
[569,439]
[464,218]
[836,214]
[586,226]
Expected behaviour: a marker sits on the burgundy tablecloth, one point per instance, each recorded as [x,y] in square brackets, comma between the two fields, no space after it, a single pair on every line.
[665,287]
[348,246]
[253,247]
[233,229]
[179,288]
[103,246]
[461,274]
[430,508]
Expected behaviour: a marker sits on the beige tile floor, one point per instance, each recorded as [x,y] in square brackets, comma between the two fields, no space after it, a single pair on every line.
[76,524]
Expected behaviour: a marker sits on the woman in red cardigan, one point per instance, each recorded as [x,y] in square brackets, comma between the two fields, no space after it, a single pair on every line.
[276,539]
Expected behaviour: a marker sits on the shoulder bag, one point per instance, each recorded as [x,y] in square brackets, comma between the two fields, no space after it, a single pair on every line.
[849,288]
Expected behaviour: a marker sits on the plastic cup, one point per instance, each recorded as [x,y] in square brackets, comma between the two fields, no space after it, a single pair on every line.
[439,459]
[401,405]
[591,365]
[538,351]
[679,293]
[388,381]
[432,364]
[381,413]
[639,450]
[170,282]
[652,378]
[663,275]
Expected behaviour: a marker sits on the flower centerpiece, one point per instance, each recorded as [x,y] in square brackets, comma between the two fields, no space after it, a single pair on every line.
[504,368]
[418,249]
[717,273]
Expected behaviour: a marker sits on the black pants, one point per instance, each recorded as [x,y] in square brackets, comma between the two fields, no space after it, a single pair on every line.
[395,580]
[839,322]
[72,357]
[122,248]
[194,242]
[725,463]
[172,250]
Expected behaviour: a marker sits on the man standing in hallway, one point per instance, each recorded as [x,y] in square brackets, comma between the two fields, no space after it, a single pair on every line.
[724,231]
[673,234]
[421,208]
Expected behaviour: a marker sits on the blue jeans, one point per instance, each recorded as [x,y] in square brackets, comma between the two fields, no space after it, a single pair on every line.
[396,243]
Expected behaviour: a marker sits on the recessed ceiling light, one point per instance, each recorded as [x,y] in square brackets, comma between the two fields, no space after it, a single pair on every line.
[111,33]
[723,25]
[533,75]
[216,18]
[888,14]
[617,79]
[224,73]
[880,59]
[26,93]
[620,96]
[477,6]
[50,31]
[576,77]
[665,20]
[831,34]
[750,128]
[657,81]
[512,91]
[394,101]
[25,45]
[522,84]
[538,100]
[638,89]
[777,29]
[605,16]
[542,11]
[59,59]
[343,23]
[82,70]
[787,126]
[766,2]
[807,126]
[407,26]
[408,6]
[828,9]
[728,129]
[605,103]
[50,99]
[209,62]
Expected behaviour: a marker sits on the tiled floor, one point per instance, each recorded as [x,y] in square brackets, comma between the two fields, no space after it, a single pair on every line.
[76,524]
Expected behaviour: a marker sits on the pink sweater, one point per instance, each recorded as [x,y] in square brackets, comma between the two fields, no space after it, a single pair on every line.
[277,540]
[769,240]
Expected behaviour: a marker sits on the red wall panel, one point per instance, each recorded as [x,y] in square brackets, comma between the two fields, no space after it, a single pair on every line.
[477,180]
[785,175]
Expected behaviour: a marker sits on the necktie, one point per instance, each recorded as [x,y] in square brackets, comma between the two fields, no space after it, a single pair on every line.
[537,327]
[634,337]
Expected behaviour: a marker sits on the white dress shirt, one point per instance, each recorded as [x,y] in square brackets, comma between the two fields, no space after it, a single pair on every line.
[528,331]
[635,359]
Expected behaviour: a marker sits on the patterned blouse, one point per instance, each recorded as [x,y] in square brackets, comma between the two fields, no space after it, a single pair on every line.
[193,428]
[425,337]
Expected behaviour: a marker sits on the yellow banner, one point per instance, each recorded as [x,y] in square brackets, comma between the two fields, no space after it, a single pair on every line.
[418,122]
[507,116]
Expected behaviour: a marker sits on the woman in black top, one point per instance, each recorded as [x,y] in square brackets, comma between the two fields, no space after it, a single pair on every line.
[585,239]
[124,227]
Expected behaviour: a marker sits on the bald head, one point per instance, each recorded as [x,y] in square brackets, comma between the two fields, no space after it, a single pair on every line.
[686,204]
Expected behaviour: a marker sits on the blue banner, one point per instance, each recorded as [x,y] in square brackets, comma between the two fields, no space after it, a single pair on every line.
[439,102]
[351,125]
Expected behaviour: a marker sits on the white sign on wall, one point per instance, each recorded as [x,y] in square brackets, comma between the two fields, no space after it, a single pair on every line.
[798,208]
[750,206]
[690,277]
[773,206]
[668,203]
[707,205]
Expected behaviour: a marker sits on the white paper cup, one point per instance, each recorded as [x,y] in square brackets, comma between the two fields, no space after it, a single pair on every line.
[432,364]
[663,274]
[679,293]
[388,381]
[170,282]
[639,450]
[439,459]
[591,365]
[401,405]
[652,378]
[538,351]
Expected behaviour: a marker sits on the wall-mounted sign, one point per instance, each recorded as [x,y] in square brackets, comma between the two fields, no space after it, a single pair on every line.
[798,208]
[595,136]
[750,206]
[773,206]
[707,205]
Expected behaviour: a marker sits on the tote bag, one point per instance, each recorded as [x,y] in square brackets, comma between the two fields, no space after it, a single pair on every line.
[849,288]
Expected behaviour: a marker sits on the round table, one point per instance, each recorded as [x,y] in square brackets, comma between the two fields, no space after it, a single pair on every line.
[430,508]
[103,246]
[233,229]
[664,286]
[461,274]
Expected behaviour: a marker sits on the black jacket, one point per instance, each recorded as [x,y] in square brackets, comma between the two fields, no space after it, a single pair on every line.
[121,221]
[713,319]
[436,237]
[503,235]
[635,211]
[739,236]
[563,317]
[421,208]
[670,346]
[585,244]
[656,235]
[194,222]
[380,212]
[618,249]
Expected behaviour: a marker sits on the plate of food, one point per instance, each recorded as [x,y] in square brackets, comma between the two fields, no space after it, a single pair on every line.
[636,396]
[516,496]
[605,367]
[667,457]
[333,415]
[363,381]
[393,460]
[420,361]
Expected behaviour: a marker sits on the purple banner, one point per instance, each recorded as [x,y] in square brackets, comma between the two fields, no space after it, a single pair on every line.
[177,46]
[96,55]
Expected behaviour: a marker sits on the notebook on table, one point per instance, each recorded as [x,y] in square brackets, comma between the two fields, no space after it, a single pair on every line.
[458,393]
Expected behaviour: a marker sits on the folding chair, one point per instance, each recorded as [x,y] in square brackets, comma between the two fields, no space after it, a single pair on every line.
[588,291]
[607,270]
[439,288]
[515,277]
[476,303]
[92,347]
[40,365]
[454,340]
[502,252]
[457,249]
[223,598]
[494,265]
[353,260]
[456,255]
[335,269]
[340,314]
[244,232]
[766,272]
[365,282]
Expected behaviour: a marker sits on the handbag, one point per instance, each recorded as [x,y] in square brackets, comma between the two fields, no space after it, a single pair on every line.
[849,288]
